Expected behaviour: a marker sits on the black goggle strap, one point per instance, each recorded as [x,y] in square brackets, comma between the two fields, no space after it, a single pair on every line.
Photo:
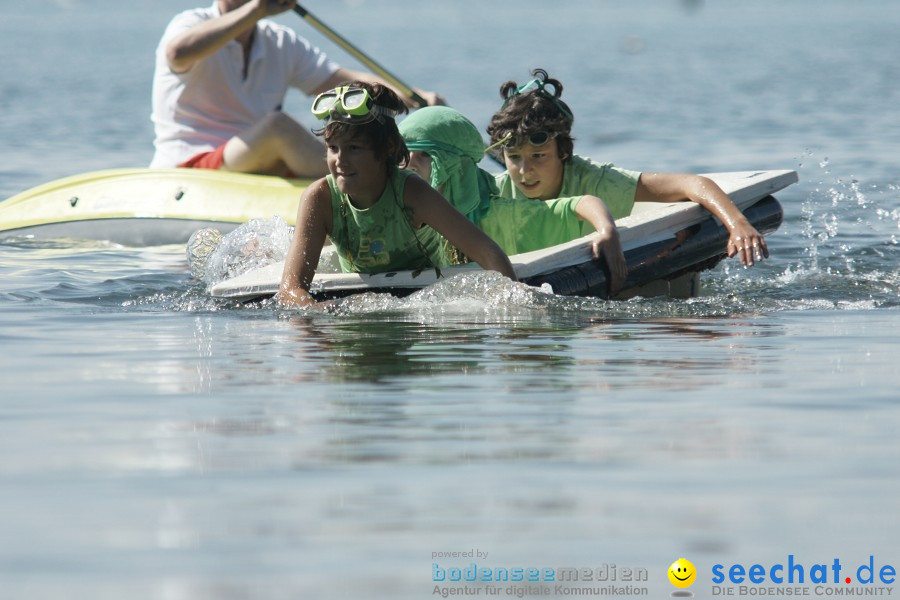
[376,113]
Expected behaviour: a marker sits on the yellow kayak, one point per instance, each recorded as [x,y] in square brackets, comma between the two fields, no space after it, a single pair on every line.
[147,207]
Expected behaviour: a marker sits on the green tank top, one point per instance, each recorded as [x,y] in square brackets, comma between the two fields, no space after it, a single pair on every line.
[381,238]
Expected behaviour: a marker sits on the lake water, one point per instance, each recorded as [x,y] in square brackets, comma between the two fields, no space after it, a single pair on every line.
[155,444]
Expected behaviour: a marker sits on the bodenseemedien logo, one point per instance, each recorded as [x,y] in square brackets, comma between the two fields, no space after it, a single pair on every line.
[682,574]
[521,581]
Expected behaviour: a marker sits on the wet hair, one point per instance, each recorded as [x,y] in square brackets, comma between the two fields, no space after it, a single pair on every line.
[380,133]
[536,110]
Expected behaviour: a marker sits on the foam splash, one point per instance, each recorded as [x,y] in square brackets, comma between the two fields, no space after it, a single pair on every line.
[462,294]
[257,243]
[842,213]
[841,246]
[214,257]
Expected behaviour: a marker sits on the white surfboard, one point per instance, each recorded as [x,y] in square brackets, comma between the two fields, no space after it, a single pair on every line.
[648,223]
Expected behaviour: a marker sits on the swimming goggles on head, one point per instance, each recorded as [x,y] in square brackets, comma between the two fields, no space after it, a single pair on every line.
[539,87]
[349,104]
[536,139]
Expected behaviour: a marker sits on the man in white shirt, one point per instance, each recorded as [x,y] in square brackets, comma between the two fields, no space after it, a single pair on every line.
[221,77]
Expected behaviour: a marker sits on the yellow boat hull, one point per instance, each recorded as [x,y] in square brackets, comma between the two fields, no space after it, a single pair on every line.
[147,207]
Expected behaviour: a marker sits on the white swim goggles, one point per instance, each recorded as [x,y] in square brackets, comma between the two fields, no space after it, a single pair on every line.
[540,87]
[536,139]
[349,104]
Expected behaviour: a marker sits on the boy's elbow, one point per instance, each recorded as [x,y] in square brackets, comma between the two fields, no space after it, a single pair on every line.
[699,184]
[175,64]
[589,204]
[177,57]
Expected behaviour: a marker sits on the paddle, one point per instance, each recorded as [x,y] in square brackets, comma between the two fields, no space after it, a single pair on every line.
[360,55]
[371,63]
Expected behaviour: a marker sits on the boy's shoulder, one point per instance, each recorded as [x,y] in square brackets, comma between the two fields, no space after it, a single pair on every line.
[588,164]
[584,170]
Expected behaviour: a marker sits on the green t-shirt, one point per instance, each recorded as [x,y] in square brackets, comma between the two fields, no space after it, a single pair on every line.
[524,225]
[581,176]
[381,238]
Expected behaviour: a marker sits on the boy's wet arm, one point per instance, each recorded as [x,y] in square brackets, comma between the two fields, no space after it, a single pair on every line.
[744,240]
[310,232]
[431,208]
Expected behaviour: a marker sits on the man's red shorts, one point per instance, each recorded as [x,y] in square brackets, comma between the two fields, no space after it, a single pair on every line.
[214,159]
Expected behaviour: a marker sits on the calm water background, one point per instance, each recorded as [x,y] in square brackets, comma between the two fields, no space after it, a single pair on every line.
[157,445]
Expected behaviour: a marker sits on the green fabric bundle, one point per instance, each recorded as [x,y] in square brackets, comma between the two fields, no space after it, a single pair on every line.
[455,148]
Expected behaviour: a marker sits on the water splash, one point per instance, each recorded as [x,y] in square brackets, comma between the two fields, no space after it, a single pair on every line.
[257,243]
[837,248]
[464,294]
[843,215]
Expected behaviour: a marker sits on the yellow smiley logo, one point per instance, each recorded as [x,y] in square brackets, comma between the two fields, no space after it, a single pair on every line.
[682,573]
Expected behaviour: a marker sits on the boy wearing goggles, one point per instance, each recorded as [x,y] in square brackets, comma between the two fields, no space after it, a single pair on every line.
[534,126]
[349,104]
[221,77]
[378,216]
